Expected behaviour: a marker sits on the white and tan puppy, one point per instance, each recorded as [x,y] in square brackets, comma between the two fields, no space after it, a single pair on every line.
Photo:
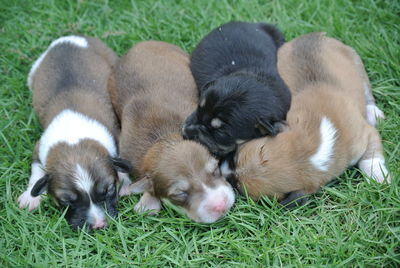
[75,159]
[330,124]
[153,91]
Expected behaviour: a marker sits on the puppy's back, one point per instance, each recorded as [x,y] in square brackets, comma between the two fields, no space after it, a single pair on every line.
[71,71]
[314,59]
[150,68]
[236,46]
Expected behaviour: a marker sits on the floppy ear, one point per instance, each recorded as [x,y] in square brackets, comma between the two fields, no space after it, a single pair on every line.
[294,199]
[144,184]
[40,186]
[121,165]
[267,128]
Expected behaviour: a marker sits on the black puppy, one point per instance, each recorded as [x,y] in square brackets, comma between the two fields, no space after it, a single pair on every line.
[242,96]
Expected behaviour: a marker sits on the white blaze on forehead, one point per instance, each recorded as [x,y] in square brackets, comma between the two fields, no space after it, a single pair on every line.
[83,180]
[222,194]
[320,160]
[71,127]
[211,165]
[72,39]
[216,123]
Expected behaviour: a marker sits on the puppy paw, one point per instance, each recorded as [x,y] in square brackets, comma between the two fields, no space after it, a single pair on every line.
[26,200]
[374,114]
[148,203]
[375,168]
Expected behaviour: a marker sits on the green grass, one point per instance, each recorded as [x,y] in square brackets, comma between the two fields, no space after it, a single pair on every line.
[349,223]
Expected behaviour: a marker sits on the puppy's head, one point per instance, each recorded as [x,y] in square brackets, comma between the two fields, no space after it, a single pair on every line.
[232,110]
[83,179]
[271,166]
[188,176]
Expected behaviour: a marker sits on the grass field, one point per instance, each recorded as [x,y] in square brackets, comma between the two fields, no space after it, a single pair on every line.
[349,223]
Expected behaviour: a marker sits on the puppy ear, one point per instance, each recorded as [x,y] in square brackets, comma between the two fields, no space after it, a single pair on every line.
[294,199]
[145,184]
[40,186]
[267,128]
[121,165]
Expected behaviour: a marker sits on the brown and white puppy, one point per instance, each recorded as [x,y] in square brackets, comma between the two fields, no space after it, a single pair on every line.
[75,159]
[330,124]
[153,91]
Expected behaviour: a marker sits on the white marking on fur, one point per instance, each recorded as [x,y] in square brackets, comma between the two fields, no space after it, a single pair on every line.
[96,216]
[203,102]
[374,114]
[216,123]
[226,171]
[215,204]
[34,67]
[375,168]
[211,165]
[71,127]
[233,62]
[148,203]
[26,199]
[72,39]
[320,160]
[83,180]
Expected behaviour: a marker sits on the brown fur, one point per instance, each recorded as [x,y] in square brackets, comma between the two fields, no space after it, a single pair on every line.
[153,91]
[85,94]
[326,79]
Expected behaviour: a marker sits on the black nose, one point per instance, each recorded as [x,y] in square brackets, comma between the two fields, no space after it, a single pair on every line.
[190,132]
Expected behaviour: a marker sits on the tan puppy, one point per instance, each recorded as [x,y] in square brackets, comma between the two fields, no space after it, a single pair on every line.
[328,124]
[153,91]
[75,158]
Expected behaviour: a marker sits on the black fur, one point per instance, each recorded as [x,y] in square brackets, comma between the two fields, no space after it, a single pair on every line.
[235,69]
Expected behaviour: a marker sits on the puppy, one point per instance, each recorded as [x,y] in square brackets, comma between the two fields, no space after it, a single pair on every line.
[153,91]
[242,96]
[76,156]
[330,125]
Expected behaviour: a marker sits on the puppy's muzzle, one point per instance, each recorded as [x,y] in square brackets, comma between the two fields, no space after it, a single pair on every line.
[190,132]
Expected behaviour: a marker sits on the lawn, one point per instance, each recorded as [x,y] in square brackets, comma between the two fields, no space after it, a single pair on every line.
[350,223]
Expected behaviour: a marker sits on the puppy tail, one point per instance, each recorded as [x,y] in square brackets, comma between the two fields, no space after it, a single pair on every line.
[275,34]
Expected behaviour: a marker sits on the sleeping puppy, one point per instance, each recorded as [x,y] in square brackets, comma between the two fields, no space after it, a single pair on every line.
[330,125]
[242,96]
[75,159]
[153,91]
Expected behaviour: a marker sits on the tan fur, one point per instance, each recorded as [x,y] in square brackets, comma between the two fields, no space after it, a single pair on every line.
[153,91]
[326,79]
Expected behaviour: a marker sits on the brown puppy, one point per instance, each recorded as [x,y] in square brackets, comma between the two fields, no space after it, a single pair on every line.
[75,158]
[328,124]
[153,91]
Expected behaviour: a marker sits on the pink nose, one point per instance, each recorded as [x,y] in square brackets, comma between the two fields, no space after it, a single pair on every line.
[99,224]
[220,206]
